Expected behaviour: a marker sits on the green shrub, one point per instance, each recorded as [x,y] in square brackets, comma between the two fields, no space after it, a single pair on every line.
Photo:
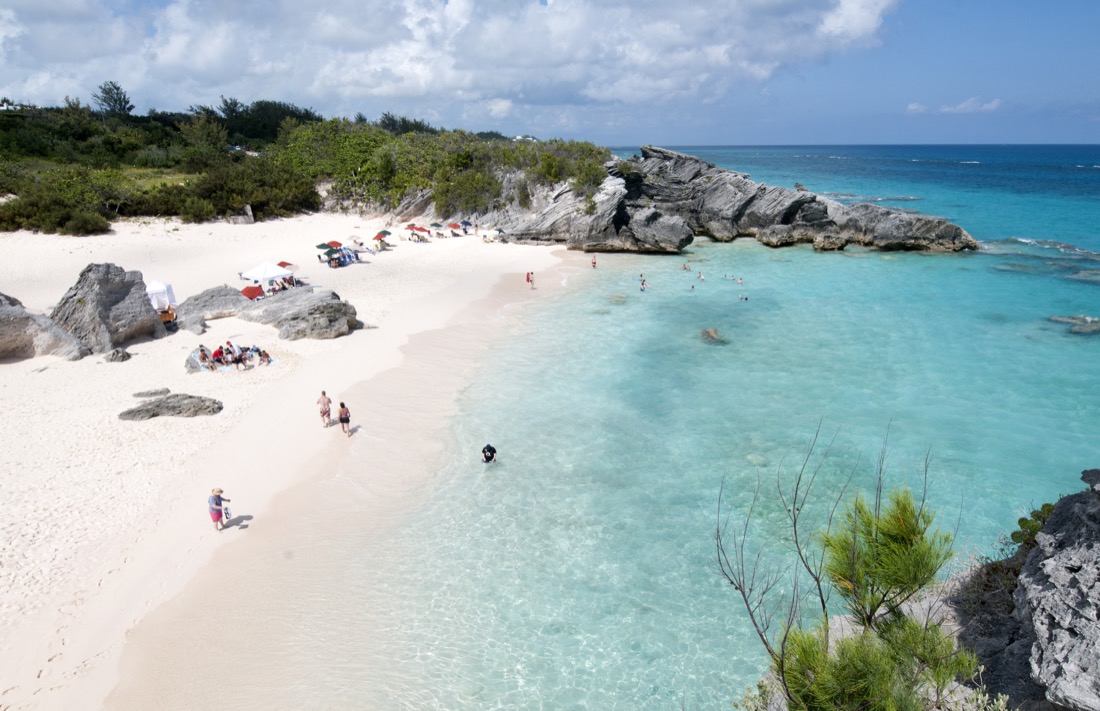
[1031,525]
[82,222]
[195,209]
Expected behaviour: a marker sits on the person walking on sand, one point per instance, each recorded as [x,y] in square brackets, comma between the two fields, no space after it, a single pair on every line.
[345,419]
[531,279]
[326,409]
[593,261]
[217,507]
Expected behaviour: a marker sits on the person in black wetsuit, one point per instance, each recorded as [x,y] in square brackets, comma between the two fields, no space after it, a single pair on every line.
[488,453]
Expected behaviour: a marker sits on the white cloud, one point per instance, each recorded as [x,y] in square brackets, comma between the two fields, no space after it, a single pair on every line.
[441,57]
[973,105]
[915,108]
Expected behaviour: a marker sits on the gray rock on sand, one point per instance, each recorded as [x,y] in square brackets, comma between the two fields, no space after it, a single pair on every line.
[153,393]
[108,308]
[118,355]
[304,313]
[216,302]
[28,335]
[173,405]
[297,313]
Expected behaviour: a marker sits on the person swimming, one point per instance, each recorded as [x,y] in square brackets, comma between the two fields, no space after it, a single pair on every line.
[488,453]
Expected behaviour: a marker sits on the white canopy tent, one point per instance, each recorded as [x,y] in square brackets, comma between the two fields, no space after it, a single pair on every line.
[161,295]
[266,271]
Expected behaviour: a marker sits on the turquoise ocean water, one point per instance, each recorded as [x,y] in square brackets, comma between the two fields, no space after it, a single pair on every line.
[579,572]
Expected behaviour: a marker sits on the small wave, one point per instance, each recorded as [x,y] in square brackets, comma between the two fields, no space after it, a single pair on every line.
[896,198]
[1063,247]
[970,162]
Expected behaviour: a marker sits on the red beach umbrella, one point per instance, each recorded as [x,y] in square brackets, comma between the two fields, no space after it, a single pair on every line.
[253,292]
[379,236]
[455,226]
[423,229]
[334,244]
[291,266]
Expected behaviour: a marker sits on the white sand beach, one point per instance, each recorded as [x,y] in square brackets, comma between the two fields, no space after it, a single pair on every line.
[107,519]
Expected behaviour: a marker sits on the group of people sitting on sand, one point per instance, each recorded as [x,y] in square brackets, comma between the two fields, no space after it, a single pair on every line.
[232,354]
[284,284]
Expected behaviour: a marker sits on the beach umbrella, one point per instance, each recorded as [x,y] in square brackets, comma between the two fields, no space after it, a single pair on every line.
[288,265]
[466,223]
[500,231]
[379,236]
[455,226]
[323,245]
[331,251]
[436,224]
[253,292]
[266,271]
[425,230]
[385,232]
[334,244]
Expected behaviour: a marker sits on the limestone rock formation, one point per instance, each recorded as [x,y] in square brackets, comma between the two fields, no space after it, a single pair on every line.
[610,224]
[107,308]
[1086,325]
[118,355]
[725,205]
[216,302]
[27,335]
[173,405]
[304,313]
[1058,601]
[297,313]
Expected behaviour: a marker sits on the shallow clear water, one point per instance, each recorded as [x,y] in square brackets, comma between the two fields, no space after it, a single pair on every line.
[579,571]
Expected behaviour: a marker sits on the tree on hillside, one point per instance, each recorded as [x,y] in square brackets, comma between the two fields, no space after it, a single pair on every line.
[112,99]
[875,555]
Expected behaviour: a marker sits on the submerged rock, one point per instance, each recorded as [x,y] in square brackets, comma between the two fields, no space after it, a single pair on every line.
[1087,325]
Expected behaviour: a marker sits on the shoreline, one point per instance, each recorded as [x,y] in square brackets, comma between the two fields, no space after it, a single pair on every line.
[116,524]
[363,489]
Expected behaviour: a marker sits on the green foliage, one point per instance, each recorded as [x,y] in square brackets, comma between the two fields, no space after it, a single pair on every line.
[400,125]
[878,560]
[112,99]
[206,139]
[1031,525]
[67,200]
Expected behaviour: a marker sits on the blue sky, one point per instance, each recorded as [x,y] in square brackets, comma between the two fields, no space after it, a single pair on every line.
[617,72]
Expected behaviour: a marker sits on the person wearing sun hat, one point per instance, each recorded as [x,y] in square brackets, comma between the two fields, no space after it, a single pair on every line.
[216,507]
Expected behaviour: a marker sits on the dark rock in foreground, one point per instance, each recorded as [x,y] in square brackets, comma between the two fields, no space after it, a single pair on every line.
[27,335]
[1058,600]
[108,308]
[174,405]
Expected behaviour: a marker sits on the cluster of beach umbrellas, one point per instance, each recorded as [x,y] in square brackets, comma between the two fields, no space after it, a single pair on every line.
[266,272]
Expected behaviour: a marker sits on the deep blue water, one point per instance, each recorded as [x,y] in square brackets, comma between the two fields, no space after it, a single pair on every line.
[580,573]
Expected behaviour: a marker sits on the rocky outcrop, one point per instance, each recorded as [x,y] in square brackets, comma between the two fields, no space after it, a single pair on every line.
[173,405]
[304,313]
[216,302]
[297,313]
[659,202]
[1085,325]
[610,223]
[1058,600]
[27,335]
[725,205]
[107,308]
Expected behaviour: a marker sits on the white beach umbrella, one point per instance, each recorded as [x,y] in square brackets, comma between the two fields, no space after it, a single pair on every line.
[266,271]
